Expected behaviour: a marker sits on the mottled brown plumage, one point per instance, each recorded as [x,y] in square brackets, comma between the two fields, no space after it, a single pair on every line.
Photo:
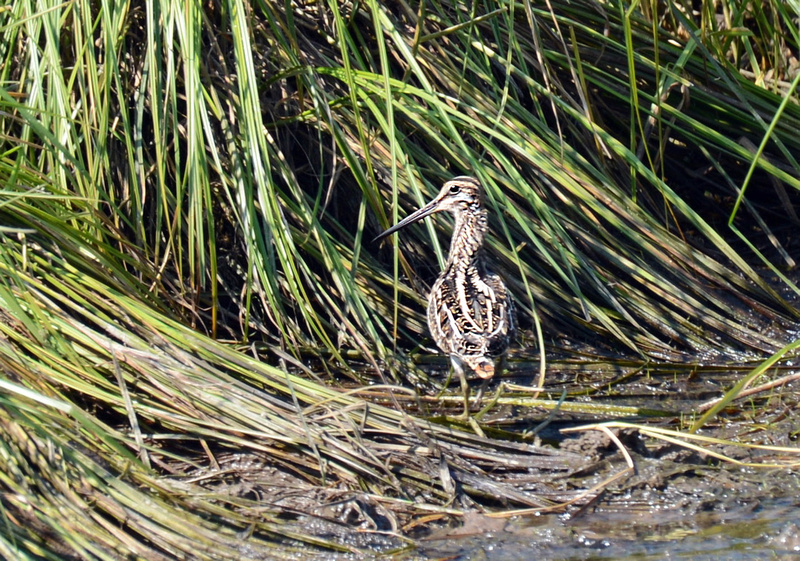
[470,312]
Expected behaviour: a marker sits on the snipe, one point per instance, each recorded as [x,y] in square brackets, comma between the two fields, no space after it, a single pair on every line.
[470,312]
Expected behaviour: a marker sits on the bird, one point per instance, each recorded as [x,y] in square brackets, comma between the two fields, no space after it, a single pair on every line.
[470,312]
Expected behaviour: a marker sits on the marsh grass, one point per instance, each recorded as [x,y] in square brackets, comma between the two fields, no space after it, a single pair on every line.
[185,185]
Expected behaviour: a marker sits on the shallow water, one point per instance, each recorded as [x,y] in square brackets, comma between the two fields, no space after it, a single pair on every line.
[679,504]
[769,531]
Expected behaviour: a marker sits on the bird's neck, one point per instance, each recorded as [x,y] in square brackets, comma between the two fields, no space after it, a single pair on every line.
[469,232]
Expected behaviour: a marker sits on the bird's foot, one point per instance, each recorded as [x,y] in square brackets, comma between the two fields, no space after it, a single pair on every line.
[473,423]
[466,418]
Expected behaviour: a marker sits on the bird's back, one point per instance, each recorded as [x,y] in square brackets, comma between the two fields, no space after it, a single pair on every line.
[471,314]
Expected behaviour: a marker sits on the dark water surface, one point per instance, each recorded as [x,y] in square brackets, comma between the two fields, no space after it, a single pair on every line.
[769,531]
[679,503]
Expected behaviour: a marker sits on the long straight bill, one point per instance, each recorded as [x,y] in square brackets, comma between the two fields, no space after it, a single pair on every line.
[427,210]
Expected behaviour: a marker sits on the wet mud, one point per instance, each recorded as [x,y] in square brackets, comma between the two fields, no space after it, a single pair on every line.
[539,482]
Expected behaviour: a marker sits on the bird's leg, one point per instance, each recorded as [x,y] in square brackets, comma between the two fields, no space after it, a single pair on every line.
[478,397]
[481,390]
[501,388]
[458,366]
[460,369]
[446,382]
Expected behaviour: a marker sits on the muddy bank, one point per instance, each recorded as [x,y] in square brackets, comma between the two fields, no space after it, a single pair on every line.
[533,480]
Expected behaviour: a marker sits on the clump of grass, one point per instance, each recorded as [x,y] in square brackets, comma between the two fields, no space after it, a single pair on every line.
[182,185]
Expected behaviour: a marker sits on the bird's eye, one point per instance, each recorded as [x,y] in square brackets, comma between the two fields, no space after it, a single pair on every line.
[455,189]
